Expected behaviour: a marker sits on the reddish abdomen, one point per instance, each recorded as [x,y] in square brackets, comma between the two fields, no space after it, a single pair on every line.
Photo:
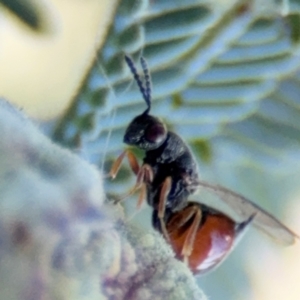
[214,239]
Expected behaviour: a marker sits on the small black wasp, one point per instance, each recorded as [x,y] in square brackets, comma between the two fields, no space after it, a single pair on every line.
[199,235]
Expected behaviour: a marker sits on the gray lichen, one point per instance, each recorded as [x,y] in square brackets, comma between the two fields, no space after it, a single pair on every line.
[59,240]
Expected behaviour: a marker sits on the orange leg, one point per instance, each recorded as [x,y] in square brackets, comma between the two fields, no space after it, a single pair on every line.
[133,163]
[165,190]
[190,237]
[144,175]
[142,196]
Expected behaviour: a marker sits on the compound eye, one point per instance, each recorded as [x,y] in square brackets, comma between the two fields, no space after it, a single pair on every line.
[156,133]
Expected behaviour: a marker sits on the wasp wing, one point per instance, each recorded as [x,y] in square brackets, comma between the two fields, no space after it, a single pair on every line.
[246,208]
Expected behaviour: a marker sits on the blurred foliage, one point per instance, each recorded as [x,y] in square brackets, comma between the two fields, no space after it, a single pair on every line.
[27,11]
[226,76]
[222,70]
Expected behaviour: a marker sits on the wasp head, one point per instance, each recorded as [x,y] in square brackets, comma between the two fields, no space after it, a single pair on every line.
[144,131]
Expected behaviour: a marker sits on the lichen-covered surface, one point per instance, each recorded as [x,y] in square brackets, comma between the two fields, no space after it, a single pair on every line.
[59,240]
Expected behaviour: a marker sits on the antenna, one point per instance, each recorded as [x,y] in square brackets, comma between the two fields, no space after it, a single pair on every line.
[147,77]
[146,92]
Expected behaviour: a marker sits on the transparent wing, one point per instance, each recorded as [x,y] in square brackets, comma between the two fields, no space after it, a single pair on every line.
[245,208]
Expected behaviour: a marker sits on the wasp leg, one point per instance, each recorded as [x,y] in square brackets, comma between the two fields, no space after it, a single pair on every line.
[188,215]
[190,237]
[165,190]
[133,163]
[144,175]
[142,196]
[148,177]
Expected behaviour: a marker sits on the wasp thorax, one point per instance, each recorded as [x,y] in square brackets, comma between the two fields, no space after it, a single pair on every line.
[146,132]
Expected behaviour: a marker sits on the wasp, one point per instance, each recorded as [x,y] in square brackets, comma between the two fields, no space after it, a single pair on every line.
[200,235]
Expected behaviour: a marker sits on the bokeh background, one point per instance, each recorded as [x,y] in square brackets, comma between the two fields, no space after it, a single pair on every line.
[226,76]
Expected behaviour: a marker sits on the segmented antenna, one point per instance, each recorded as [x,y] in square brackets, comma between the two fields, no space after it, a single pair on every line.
[146,92]
[147,77]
